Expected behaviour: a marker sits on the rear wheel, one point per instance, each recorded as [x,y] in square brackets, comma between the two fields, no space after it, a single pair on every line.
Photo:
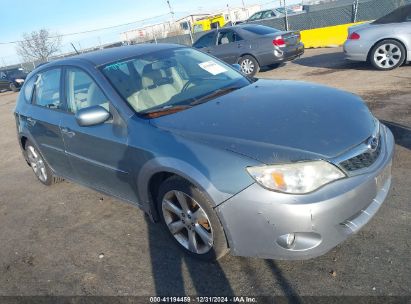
[188,216]
[249,65]
[13,87]
[39,166]
[387,55]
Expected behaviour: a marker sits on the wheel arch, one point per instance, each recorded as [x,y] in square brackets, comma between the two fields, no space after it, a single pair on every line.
[387,38]
[23,141]
[248,54]
[154,172]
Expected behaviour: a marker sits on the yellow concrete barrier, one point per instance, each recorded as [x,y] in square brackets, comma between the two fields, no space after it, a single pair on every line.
[330,36]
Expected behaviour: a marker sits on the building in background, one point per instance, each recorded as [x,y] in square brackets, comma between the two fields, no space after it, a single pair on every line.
[185,24]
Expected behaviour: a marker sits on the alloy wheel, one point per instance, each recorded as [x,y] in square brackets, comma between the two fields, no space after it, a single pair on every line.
[37,163]
[387,56]
[187,222]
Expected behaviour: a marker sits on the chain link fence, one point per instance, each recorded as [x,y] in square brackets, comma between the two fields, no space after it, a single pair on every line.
[316,16]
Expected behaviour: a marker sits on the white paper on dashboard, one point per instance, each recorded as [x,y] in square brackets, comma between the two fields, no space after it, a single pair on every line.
[212,67]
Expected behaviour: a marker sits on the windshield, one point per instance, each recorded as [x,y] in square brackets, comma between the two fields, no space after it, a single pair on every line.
[401,14]
[172,78]
[16,73]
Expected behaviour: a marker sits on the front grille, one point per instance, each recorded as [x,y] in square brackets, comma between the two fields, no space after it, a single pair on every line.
[363,160]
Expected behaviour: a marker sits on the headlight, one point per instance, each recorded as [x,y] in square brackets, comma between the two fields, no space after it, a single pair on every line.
[19,80]
[296,178]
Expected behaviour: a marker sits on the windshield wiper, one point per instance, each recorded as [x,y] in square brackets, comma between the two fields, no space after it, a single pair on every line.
[169,109]
[213,95]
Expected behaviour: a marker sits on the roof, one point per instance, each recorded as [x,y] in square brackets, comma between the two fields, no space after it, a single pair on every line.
[105,56]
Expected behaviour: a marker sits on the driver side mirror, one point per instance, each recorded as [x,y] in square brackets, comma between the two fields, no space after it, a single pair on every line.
[236,66]
[92,116]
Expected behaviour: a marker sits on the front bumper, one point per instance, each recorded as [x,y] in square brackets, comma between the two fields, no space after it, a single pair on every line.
[256,219]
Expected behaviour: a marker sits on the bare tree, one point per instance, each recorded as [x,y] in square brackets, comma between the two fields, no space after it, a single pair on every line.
[38,46]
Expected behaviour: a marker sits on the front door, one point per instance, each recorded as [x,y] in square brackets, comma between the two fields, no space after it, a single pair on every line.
[97,153]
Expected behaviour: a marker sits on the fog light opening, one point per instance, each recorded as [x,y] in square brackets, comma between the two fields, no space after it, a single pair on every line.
[290,238]
[299,241]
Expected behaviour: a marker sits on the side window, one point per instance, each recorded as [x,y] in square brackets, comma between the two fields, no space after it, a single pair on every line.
[82,92]
[28,88]
[205,41]
[3,75]
[47,89]
[256,16]
[268,14]
[227,37]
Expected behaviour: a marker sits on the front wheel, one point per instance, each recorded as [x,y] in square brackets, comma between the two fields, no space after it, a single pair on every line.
[387,55]
[249,65]
[188,216]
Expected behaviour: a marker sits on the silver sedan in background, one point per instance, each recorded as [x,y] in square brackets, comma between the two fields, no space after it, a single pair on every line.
[385,43]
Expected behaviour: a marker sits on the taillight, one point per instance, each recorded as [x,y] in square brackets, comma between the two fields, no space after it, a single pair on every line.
[354,36]
[279,41]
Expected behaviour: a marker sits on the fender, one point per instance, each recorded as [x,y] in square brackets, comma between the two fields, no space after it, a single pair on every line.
[181,168]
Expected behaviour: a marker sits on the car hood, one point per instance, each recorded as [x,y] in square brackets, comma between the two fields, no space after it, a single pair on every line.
[277,121]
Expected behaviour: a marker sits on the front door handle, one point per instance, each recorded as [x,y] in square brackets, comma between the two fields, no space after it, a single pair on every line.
[68,132]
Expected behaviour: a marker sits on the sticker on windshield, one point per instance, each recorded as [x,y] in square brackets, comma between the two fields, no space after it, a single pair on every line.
[212,67]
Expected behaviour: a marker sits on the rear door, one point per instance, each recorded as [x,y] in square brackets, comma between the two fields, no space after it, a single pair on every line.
[228,46]
[43,118]
[206,42]
[97,153]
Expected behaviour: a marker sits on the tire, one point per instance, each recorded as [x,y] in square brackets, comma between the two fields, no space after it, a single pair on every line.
[39,166]
[249,65]
[387,55]
[189,219]
[13,87]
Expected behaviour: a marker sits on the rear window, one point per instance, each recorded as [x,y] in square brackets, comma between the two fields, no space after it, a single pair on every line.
[259,29]
[401,14]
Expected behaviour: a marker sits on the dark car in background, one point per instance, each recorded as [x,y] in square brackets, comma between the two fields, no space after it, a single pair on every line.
[252,46]
[12,79]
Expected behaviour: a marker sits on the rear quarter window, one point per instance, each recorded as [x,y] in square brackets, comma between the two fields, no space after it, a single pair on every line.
[28,89]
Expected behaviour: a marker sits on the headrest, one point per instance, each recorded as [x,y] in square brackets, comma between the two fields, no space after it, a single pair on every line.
[153,77]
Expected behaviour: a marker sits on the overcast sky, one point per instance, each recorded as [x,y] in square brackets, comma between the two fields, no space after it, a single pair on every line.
[68,16]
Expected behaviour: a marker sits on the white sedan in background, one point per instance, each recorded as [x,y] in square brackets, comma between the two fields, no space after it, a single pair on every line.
[385,43]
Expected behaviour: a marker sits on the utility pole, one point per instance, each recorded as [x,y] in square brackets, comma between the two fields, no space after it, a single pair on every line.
[286,16]
[171,10]
[355,4]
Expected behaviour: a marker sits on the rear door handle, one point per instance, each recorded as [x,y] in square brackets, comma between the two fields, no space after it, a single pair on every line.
[31,121]
[68,132]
